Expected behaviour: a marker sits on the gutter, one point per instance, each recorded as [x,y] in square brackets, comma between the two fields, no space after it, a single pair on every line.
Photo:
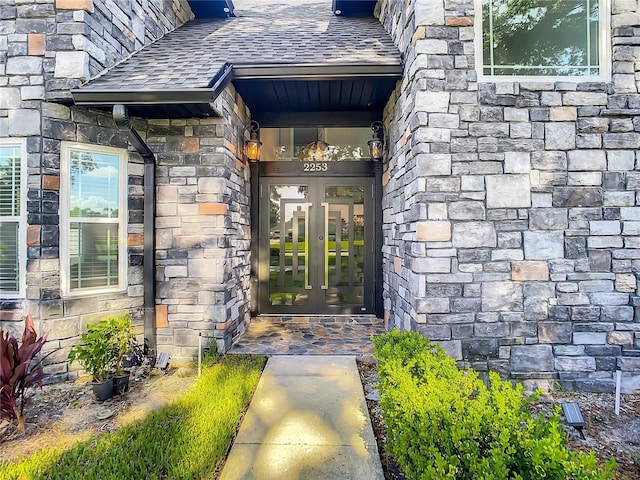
[106,97]
[121,117]
[315,72]
[101,97]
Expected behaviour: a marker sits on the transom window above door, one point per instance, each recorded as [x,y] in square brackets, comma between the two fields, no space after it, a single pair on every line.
[315,144]
[543,38]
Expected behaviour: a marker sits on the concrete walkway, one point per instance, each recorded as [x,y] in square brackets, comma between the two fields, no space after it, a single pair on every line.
[307,421]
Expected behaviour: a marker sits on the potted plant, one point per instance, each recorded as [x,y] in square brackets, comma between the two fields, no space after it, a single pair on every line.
[122,343]
[95,355]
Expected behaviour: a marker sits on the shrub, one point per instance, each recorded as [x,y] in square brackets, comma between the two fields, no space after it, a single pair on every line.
[105,348]
[122,340]
[446,423]
[95,354]
[19,370]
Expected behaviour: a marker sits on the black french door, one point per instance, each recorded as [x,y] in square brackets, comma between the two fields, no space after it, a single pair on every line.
[316,245]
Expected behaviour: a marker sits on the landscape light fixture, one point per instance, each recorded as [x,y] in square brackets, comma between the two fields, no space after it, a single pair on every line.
[376,144]
[253,146]
[574,416]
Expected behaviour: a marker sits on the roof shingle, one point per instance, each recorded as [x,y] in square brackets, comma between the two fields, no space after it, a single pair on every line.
[274,32]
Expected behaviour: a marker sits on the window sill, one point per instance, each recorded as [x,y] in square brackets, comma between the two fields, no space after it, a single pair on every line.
[93,291]
[549,83]
[12,296]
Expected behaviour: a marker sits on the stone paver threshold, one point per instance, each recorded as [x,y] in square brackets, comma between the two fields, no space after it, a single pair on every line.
[307,421]
[310,335]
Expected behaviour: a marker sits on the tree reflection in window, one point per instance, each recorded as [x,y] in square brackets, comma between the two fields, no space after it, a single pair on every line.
[301,144]
[541,37]
[94,205]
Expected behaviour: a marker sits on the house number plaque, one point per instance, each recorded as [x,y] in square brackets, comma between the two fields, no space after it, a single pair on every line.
[315,167]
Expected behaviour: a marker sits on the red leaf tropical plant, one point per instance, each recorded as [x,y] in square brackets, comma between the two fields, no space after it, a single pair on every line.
[19,370]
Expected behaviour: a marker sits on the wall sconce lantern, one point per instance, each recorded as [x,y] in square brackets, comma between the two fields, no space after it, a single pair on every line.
[253,146]
[376,144]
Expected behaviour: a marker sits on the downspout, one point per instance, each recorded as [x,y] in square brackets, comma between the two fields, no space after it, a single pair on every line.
[121,117]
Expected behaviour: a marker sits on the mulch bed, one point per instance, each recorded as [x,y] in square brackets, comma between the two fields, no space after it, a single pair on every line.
[61,414]
[369,377]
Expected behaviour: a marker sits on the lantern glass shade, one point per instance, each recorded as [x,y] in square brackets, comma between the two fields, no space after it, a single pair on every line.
[375,148]
[253,148]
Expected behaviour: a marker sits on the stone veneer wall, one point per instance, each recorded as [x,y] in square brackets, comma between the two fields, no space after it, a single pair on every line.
[202,229]
[511,217]
[67,318]
[50,46]
[46,47]
[92,35]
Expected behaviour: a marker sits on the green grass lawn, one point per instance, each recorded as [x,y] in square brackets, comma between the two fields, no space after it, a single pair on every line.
[183,440]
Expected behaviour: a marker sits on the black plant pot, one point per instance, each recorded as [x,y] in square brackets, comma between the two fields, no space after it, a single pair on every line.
[103,390]
[121,384]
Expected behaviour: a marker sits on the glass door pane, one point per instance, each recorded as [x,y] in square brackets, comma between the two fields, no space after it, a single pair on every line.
[316,242]
[289,282]
[344,245]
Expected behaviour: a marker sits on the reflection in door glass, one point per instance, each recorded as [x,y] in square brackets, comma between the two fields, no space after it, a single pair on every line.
[345,244]
[288,245]
[291,144]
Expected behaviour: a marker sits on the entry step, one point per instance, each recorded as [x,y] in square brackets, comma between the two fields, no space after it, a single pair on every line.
[310,335]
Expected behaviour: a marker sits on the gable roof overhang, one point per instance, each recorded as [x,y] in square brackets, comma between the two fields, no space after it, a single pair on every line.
[358,93]
[335,64]
[266,89]
[160,103]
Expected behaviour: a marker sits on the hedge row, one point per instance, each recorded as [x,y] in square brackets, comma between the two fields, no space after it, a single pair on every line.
[445,423]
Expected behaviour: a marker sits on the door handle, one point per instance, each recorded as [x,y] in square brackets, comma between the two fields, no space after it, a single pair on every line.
[306,206]
[325,285]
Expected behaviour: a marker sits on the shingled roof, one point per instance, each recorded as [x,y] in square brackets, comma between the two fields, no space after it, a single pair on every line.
[303,37]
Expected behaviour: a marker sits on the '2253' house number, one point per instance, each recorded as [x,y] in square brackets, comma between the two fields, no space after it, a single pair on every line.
[315,167]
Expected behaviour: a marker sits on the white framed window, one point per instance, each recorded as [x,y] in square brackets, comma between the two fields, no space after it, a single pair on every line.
[93,219]
[13,217]
[540,40]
